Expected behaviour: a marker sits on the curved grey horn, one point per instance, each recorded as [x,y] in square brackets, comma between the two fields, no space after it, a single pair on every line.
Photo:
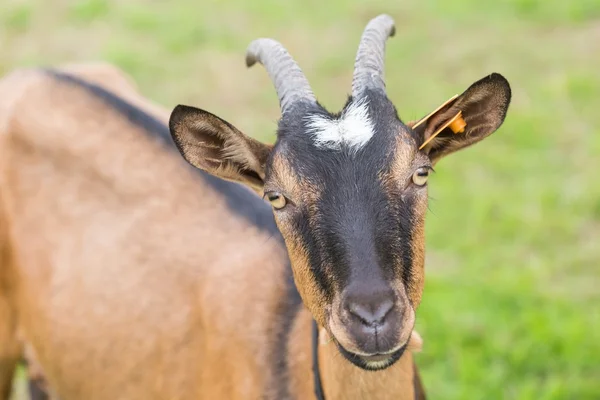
[289,80]
[369,64]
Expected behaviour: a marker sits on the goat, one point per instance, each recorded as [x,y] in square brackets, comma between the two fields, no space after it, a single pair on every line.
[132,276]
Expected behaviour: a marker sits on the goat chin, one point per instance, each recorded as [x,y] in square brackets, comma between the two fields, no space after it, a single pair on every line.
[415,344]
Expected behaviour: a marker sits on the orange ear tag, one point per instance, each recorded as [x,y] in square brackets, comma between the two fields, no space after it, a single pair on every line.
[457,125]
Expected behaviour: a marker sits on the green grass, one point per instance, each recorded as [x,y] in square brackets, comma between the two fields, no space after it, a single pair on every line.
[511,308]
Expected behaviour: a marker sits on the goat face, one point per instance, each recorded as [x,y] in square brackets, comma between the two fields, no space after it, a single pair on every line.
[348,190]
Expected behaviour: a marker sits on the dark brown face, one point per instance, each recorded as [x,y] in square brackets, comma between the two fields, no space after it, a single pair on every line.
[348,191]
[352,213]
[349,195]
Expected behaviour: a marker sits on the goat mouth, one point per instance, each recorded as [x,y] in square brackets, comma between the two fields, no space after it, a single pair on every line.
[374,362]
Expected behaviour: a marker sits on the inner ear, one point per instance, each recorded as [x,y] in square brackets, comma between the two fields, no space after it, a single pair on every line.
[466,119]
[217,147]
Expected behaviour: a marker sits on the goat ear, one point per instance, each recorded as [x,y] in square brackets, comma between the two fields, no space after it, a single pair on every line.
[217,147]
[465,119]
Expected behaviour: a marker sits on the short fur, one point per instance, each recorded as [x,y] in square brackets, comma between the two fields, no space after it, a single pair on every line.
[132,276]
[353,128]
[349,195]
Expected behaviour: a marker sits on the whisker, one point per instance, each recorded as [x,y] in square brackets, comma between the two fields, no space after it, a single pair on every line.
[430,200]
[271,236]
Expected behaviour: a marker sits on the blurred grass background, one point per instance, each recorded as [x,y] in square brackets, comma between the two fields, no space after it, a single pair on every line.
[511,308]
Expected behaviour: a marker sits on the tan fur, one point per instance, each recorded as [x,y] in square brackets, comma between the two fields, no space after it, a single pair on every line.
[403,166]
[483,106]
[286,178]
[128,276]
[103,268]
[10,347]
[112,78]
[344,381]
[311,295]
[415,289]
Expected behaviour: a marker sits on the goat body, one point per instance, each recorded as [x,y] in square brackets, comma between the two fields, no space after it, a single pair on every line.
[133,276]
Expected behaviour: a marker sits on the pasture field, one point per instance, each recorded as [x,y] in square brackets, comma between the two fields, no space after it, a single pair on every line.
[511,307]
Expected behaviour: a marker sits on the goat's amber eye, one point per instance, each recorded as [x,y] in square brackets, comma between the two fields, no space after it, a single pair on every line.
[420,176]
[276,199]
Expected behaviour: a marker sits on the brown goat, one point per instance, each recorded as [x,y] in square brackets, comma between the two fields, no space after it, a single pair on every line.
[36,89]
[132,276]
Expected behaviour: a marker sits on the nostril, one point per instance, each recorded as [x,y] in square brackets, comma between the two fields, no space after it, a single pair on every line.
[371,314]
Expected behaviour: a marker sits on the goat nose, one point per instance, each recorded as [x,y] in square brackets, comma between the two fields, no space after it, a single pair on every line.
[372,317]
[371,310]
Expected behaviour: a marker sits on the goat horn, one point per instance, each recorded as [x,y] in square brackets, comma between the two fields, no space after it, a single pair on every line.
[369,64]
[289,80]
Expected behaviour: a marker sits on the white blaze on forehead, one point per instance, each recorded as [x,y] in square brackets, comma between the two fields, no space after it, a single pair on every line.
[353,128]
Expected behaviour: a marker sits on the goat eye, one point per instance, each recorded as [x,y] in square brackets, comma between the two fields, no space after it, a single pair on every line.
[276,199]
[420,176]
